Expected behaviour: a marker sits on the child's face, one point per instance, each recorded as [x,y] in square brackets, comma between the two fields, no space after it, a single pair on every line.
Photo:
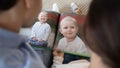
[43,17]
[69,29]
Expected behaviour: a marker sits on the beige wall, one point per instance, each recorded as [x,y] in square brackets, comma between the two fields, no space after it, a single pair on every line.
[64,5]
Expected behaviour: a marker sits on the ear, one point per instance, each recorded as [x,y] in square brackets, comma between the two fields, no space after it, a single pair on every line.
[28,3]
[60,30]
[77,29]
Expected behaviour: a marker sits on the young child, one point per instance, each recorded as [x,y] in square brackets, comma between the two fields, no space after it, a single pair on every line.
[39,36]
[40,30]
[70,42]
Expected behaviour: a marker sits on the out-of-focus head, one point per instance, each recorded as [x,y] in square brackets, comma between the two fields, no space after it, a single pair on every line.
[102,31]
[32,12]
[7,4]
[17,13]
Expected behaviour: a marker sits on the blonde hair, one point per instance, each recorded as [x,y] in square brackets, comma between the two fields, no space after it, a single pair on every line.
[45,12]
[68,18]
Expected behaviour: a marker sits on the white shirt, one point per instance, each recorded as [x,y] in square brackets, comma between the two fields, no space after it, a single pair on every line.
[76,46]
[41,31]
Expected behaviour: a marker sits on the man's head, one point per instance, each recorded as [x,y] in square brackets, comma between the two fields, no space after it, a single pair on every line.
[17,13]
[7,4]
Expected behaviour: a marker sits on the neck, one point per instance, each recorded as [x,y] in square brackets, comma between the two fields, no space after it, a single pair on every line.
[7,21]
[96,61]
[70,39]
[42,22]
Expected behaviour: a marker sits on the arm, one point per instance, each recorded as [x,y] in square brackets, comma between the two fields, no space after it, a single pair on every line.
[82,47]
[33,31]
[58,57]
[47,34]
[60,44]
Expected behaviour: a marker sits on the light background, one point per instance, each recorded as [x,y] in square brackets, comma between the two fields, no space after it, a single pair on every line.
[64,5]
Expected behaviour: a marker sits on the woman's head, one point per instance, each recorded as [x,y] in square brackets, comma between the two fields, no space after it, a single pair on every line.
[68,27]
[102,30]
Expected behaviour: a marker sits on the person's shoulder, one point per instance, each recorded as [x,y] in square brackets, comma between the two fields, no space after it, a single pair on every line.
[47,24]
[36,23]
[62,39]
[78,38]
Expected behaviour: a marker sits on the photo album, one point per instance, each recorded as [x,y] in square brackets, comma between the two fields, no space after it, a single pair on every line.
[65,36]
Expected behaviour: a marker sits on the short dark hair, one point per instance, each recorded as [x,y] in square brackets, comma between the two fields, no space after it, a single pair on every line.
[102,30]
[7,4]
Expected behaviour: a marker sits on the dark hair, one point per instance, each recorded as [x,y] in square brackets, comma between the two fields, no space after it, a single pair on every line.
[7,4]
[102,30]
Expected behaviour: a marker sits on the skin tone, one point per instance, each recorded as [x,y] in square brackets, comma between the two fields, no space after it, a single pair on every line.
[78,11]
[22,14]
[69,30]
[43,17]
[57,52]
[96,61]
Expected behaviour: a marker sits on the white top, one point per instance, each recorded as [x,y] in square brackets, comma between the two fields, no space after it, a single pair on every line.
[57,63]
[76,46]
[75,65]
[41,31]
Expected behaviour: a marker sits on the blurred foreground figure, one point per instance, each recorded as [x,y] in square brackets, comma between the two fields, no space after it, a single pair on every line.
[14,52]
[102,33]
